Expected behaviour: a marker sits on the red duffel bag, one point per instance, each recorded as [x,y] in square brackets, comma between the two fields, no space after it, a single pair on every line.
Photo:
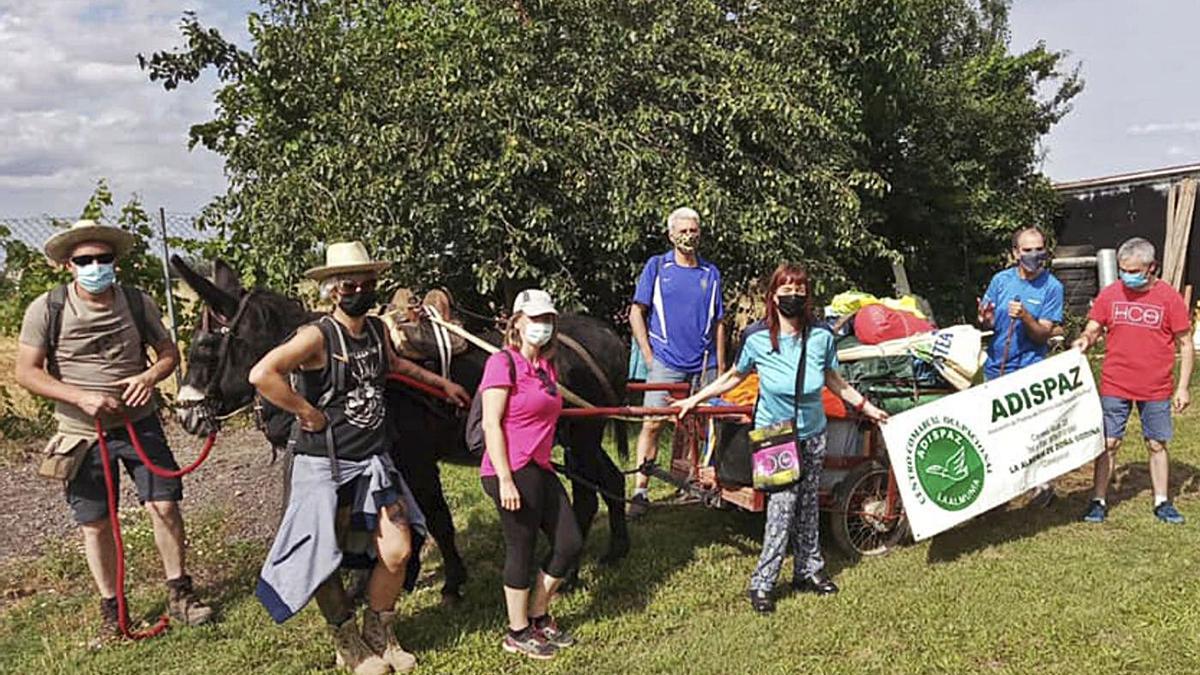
[875,323]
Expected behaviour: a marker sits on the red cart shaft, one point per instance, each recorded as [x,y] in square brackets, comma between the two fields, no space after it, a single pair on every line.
[679,387]
[639,411]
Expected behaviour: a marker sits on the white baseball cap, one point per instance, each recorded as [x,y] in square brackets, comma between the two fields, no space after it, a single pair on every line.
[534,302]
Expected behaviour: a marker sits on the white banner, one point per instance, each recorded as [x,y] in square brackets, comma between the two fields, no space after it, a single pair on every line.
[969,452]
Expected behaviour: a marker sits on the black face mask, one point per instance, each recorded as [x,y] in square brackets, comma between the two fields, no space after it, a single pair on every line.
[790,306]
[358,304]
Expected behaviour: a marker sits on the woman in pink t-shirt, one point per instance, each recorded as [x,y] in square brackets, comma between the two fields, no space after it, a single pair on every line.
[521,404]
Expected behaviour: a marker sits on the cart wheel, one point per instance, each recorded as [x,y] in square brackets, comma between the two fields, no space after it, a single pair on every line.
[859,521]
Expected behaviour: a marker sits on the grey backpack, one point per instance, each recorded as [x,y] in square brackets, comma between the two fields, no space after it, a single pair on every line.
[474,433]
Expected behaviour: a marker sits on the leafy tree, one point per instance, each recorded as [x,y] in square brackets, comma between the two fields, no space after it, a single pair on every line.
[486,146]
[951,121]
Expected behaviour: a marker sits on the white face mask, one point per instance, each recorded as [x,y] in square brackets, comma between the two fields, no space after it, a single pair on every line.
[537,333]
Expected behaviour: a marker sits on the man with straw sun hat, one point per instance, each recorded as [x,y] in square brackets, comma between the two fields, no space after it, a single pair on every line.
[342,471]
[82,345]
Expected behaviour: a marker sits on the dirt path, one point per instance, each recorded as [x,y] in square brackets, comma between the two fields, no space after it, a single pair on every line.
[237,477]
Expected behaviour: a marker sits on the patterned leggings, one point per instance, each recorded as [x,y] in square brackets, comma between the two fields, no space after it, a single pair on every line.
[792,516]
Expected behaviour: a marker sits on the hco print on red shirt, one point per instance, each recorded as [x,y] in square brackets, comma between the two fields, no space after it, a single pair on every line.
[1140,356]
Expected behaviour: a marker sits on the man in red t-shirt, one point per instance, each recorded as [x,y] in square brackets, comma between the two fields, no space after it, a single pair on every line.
[1145,321]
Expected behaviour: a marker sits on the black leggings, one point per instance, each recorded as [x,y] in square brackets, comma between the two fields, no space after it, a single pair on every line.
[544,506]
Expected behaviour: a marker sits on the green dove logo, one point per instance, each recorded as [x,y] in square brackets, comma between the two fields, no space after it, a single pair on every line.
[949,468]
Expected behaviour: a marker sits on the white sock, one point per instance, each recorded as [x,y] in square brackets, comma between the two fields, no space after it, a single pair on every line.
[1158,500]
[641,492]
[1100,500]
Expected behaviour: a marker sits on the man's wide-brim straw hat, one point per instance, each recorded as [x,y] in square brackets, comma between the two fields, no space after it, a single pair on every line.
[59,247]
[347,257]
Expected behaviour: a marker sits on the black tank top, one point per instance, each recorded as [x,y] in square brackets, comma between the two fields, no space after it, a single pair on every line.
[356,409]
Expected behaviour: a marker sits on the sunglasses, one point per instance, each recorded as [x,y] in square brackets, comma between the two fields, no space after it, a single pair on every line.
[102,258]
[547,384]
[348,287]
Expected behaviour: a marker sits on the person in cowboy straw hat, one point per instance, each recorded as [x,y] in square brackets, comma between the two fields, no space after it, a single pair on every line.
[82,346]
[342,471]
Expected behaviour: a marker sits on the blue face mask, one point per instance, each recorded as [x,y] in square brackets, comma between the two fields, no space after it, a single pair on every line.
[1134,281]
[97,277]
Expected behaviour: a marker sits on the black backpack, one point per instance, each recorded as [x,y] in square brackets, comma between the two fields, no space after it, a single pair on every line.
[474,432]
[56,299]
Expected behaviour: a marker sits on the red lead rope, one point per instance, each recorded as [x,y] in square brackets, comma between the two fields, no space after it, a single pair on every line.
[111,486]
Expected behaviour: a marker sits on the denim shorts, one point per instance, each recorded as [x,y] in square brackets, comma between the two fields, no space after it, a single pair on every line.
[659,372]
[1155,417]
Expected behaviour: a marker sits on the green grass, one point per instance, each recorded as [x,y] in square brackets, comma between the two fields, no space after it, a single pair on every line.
[1015,591]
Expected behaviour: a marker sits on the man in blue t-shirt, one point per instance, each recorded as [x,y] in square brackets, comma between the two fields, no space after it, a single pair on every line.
[1031,305]
[684,339]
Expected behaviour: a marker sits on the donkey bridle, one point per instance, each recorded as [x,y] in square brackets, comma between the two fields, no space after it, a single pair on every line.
[227,331]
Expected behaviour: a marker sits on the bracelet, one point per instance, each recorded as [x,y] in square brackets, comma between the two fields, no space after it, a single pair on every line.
[861,404]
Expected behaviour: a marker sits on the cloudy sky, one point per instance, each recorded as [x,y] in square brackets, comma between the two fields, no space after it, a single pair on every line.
[74,106]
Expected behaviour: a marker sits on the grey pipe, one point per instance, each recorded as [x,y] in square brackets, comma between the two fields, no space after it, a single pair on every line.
[166,258]
[1106,264]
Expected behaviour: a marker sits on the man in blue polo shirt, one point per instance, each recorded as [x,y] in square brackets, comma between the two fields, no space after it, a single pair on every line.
[1031,304]
[683,340]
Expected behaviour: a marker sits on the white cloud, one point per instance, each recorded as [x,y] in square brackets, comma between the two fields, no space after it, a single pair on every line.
[75,106]
[1190,127]
[109,73]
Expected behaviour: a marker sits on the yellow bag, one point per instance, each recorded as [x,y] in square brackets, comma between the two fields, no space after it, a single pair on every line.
[849,302]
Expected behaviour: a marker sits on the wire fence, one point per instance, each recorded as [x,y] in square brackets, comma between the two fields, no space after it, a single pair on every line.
[33,231]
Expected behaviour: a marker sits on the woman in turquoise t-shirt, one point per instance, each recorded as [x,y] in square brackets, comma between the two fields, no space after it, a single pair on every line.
[773,348]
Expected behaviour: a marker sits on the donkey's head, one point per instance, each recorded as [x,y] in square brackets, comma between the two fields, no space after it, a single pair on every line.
[237,328]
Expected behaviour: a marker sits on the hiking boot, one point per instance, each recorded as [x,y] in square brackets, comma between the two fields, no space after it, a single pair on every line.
[551,633]
[1167,513]
[110,625]
[183,605]
[353,654]
[529,642]
[1096,513]
[379,632]
[637,506]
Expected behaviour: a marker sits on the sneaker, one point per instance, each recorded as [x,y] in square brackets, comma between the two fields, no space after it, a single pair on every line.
[529,642]
[1167,513]
[551,633]
[761,601]
[637,506]
[1096,513]
[183,605]
[818,584]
